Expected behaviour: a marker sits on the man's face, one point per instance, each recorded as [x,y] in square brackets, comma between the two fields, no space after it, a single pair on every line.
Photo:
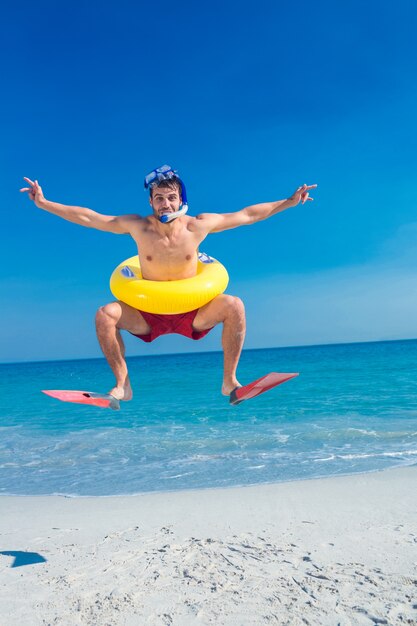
[165,200]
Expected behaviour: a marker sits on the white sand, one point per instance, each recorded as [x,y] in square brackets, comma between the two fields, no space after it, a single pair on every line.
[333,551]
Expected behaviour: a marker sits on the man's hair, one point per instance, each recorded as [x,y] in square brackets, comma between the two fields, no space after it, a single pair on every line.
[170,183]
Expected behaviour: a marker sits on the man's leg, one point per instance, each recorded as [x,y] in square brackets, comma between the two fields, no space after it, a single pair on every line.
[230,311]
[110,320]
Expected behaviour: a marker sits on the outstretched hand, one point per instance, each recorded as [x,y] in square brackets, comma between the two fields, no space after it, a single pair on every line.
[302,195]
[34,191]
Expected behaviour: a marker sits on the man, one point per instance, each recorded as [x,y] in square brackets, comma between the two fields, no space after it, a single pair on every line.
[168,242]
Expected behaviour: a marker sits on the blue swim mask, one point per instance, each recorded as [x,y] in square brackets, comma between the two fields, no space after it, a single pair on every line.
[165,172]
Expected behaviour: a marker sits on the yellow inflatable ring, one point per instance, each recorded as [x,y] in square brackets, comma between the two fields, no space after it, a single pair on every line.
[168,297]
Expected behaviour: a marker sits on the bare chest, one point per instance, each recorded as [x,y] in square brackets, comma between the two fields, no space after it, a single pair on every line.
[167,257]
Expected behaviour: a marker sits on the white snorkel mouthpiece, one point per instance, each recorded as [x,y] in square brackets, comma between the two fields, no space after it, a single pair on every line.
[170,217]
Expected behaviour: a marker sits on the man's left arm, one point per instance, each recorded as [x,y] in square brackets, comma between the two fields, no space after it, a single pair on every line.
[255,213]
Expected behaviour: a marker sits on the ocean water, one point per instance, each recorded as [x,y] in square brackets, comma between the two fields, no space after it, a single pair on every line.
[353,409]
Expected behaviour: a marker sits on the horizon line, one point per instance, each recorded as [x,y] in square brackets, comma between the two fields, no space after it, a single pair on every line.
[140,356]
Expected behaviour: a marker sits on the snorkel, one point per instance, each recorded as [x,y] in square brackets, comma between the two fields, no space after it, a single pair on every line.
[165,172]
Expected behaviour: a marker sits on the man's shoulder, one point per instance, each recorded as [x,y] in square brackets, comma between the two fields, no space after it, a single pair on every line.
[133,220]
[196,222]
[207,221]
[202,219]
[130,217]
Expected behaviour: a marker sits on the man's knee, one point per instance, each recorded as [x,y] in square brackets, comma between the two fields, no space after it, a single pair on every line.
[234,306]
[109,314]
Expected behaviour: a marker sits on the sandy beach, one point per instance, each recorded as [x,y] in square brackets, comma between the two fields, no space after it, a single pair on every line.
[330,551]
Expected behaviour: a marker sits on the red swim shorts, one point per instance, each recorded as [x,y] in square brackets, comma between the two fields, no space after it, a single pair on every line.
[180,323]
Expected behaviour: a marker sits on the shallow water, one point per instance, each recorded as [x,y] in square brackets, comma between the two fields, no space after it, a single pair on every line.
[352,409]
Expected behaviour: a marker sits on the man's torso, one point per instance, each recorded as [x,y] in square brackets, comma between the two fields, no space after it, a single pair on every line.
[170,254]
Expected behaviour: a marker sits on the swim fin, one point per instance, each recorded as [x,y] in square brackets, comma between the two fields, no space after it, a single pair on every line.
[259,386]
[103,400]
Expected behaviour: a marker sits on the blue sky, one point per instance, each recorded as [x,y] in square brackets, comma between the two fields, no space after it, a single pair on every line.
[248,102]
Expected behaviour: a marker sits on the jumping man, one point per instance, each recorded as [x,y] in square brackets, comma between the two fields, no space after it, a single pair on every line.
[168,241]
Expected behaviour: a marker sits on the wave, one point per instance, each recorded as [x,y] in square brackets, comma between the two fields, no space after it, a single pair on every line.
[351,457]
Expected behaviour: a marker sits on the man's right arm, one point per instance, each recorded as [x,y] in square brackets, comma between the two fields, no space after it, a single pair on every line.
[79,215]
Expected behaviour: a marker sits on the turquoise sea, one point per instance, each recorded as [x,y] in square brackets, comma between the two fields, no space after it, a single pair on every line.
[353,409]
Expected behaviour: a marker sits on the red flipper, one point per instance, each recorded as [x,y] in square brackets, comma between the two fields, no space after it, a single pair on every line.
[104,400]
[259,386]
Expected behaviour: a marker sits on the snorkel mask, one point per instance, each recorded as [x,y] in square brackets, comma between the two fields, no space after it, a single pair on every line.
[165,172]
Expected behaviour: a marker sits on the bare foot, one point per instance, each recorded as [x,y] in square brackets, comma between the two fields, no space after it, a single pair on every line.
[122,393]
[227,388]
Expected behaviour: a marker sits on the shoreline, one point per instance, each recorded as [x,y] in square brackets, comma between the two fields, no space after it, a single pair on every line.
[203,489]
[335,550]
